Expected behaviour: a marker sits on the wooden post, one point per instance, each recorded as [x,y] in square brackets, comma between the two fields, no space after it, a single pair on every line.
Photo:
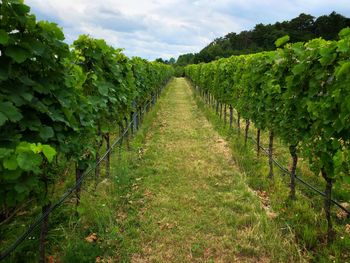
[271,175]
[43,233]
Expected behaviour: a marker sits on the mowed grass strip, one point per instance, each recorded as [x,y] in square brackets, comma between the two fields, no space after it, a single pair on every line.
[193,204]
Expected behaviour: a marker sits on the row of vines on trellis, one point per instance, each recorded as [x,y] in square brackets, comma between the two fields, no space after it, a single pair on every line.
[59,102]
[300,93]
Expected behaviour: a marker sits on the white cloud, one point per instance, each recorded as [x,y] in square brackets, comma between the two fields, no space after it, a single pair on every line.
[168,28]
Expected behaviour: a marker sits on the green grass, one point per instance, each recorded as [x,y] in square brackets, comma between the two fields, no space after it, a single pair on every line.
[191,203]
[187,190]
[304,217]
[105,210]
[99,211]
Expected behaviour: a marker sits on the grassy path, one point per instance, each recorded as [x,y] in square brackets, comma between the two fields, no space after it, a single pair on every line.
[193,204]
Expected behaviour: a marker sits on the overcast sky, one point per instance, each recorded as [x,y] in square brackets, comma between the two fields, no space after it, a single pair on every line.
[168,28]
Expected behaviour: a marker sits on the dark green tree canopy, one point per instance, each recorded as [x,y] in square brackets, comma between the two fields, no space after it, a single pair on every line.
[302,28]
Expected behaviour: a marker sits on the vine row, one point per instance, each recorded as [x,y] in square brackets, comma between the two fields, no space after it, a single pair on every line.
[58,103]
[300,93]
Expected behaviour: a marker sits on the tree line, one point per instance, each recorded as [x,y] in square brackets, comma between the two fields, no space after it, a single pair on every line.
[302,28]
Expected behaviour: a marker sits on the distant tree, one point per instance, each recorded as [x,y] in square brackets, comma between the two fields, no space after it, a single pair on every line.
[301,28]
[172,61]
[160,60]
[262,37]
[328,27]
[185,59]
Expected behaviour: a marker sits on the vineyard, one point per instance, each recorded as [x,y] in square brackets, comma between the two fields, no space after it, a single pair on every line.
[112,159]
[300,94]
[58,105]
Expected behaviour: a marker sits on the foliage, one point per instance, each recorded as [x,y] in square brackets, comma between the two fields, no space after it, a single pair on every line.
[262,37]
[54,100]
[37,111]
[299,92]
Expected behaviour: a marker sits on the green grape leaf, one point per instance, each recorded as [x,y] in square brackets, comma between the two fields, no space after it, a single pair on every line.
[23,147]
[27,96]
[70,117]
[49,152]
[26,80]
[21,188]
[343,46]
[36,148]
[54,30]
[29,161]
[4,152]
[3,119]
[22,9]
[335,144]
[4,37]
[327,56]
[37,46]
[345,32]
[18,54]
[46,133]
[344,69]
[281,41]
[103,88]
[11,163]
[12,175]
[298,69]
[12,113]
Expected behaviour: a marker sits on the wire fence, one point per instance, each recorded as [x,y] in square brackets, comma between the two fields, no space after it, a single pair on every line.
[39,219]
[298,178]
[135,123]
[286,171]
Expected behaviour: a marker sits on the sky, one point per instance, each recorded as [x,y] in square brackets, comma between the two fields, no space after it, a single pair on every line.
[167,28]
